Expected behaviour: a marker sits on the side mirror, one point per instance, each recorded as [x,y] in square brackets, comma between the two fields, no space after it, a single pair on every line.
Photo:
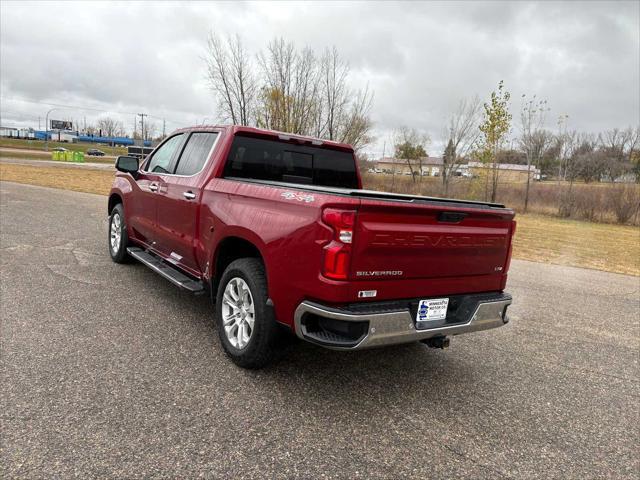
[127,165]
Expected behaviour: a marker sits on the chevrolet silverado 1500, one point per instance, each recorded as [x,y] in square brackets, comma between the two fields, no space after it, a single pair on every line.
[277,229]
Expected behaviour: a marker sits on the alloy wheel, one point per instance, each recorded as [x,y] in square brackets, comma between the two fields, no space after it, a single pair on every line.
[115,232]
[238,312]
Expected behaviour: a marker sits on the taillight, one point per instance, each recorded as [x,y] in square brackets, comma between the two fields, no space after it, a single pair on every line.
[337,254]
[510,250]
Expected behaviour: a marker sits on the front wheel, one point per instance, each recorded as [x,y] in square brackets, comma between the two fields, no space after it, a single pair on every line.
[246,324]
[118,238]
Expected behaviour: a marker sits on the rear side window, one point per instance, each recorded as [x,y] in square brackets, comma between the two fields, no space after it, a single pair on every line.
[262,159]
[195,153]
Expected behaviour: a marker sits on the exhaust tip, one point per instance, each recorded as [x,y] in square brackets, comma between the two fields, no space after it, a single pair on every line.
[437,342]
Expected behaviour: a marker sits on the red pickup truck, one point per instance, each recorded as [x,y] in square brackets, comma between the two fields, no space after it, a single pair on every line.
[276,227]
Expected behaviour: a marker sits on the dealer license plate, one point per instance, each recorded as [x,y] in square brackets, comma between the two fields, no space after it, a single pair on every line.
[433,309]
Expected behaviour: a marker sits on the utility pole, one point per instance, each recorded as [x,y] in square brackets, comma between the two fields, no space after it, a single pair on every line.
[39,123]
[46,128]
[142,115]
[164,125]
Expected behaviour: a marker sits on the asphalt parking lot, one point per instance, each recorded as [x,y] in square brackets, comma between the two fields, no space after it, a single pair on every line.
[110,371]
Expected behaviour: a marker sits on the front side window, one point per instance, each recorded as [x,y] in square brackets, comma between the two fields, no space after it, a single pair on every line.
[161,160]
[195,153]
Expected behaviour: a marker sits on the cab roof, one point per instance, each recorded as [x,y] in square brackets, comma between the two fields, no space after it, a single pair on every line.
[260,132]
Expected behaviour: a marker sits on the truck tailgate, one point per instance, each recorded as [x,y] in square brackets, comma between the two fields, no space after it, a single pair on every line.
[429,240]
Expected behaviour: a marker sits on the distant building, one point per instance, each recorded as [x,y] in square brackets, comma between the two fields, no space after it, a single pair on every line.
[63,136]
[13,132]
[431,166]
[508,172]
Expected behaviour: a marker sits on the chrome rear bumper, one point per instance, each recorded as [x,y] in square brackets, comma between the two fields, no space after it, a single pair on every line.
[393,327]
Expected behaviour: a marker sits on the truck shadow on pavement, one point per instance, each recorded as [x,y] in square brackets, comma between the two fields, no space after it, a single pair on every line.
[305,371]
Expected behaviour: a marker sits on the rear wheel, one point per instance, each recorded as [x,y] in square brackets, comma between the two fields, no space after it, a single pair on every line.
[118,238]
[246,325]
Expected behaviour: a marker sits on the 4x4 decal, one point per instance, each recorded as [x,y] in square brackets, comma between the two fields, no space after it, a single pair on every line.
[301,197]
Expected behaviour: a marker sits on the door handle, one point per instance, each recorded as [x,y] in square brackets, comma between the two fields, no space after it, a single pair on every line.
[153,187]
[189,195]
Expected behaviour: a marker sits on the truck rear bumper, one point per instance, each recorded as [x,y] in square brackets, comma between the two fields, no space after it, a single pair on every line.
[379,324]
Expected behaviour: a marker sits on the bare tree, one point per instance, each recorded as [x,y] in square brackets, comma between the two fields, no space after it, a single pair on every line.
[304,95]
[532,139]
[576,146]
[275,96]
[305,91]
[591,165]
[461,134]
[633,153]
[110,127]
[541,143]
[342,114]
[231,78]
[633,145]
[355,127]
[150,130]
[619,147]
[616,141]
[334,93]
[565,142]
[290,95]
[290,89]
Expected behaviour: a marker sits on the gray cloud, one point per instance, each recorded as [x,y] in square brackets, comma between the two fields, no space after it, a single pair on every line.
[419,58]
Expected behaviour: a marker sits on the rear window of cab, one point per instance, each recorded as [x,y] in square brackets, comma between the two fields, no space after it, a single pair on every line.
[280,161]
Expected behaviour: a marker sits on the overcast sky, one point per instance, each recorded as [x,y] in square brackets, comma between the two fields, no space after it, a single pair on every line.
[420,59]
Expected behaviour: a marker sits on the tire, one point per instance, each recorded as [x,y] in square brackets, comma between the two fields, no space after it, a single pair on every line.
[118,248]
[260,348]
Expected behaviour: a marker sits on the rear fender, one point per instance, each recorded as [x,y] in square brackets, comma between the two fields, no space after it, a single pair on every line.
[239,233]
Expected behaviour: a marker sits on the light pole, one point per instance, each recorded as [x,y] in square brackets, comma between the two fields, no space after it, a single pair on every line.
[46,130]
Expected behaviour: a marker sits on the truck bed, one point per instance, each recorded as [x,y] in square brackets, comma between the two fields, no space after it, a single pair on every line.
[373,194]
[409,238]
